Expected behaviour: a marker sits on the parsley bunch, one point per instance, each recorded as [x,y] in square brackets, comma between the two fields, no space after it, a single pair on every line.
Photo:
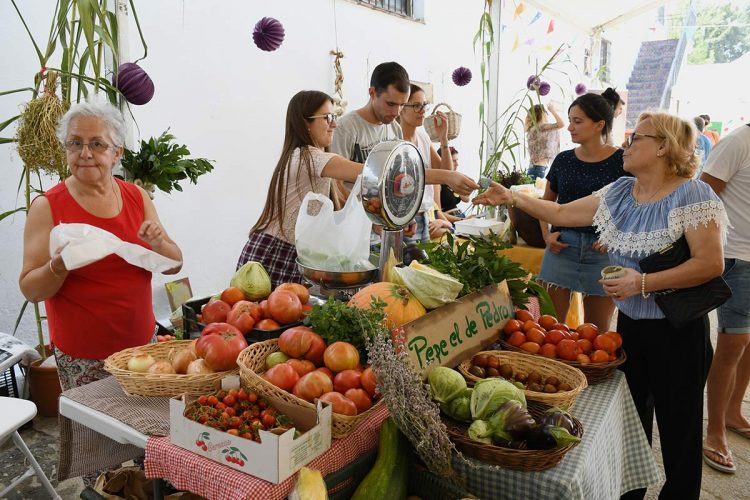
[476,263]
[335,321]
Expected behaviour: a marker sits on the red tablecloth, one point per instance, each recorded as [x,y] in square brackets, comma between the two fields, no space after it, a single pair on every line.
[191,472]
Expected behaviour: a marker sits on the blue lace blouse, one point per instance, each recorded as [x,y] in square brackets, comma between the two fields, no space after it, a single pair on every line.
[632,231]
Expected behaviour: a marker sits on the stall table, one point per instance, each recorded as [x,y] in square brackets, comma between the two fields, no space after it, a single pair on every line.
[613,457]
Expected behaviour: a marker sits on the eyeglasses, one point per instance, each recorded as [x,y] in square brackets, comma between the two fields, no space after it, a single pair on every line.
[631,138]
[418,107]
[75,145]
[330,117]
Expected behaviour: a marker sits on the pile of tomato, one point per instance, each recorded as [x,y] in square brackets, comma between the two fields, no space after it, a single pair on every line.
[238,412]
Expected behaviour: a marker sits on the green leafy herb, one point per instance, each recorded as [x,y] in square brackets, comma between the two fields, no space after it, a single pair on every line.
[162,162]
[335,321]
[476,263]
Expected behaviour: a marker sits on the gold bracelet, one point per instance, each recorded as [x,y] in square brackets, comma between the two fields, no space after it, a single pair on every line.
[513,199]
[52,270]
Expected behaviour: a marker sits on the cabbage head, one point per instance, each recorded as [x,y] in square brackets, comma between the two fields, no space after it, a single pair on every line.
[252,279]
[459,408]
[489,394]
[445,384]
[480,431]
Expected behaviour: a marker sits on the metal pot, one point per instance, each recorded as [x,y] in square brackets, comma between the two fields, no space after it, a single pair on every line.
[393,184]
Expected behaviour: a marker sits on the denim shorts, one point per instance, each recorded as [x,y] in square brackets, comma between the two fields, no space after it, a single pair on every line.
[423,229]
[537,171]
[577,267]
[734,314]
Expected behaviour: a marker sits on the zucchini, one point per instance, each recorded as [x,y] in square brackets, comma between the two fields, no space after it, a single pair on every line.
[389,476]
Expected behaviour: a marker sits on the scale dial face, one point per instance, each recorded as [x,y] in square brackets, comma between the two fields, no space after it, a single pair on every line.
[393,184]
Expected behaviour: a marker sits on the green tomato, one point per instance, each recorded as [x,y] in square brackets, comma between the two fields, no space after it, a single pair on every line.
[275,358]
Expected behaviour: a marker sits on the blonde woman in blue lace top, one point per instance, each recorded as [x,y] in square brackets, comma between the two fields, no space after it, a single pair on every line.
[636,216]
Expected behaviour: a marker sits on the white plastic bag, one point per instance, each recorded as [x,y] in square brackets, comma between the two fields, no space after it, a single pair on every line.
[85,244]
[330,240]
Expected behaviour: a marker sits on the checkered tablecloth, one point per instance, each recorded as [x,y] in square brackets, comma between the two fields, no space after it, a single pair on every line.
[191,472]
[613,457]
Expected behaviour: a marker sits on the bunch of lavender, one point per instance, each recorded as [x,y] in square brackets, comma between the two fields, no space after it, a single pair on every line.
[409,402]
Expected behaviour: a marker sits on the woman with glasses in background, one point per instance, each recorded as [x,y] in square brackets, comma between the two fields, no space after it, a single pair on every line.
[666,367]
[411,120]
[306,166]
[104,307]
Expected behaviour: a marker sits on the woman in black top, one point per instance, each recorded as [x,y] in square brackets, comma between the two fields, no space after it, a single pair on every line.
[574,257]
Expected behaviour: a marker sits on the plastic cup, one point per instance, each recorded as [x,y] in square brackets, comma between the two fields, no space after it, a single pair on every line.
[612,272]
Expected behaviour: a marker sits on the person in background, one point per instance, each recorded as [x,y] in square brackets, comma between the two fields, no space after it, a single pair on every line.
[411,120]
[616,101]
[448,199]
[104,307]
[306,166]
[704,143]
[542,138]
[712,135]
[728,173]
[637,216]
[574,257]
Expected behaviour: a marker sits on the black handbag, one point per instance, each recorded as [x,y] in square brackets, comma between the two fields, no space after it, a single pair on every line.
[683,305]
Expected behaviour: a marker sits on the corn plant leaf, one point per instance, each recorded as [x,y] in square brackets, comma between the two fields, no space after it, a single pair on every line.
[86,9]
[8,122]
[140,31]
[33,41]
[20,317]
[11,212]
[6,140]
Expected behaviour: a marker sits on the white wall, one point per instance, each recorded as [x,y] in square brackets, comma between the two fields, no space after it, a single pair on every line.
[226,100]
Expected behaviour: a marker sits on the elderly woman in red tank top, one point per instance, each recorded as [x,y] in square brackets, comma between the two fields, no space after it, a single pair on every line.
[103,307]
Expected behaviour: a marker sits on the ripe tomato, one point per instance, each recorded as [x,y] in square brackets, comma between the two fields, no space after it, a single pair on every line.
[229,400]
[516,339]
[215,312]
[548,350]
[203,400]
[212,400]
[547,321]
[267,324]
[585,345]
[616,337]
[599,356]
[360,398]
[512,325]
[297,289]
[312,386]
[268,420]
[341,404]
[536,335]
[554,336]
[341,356]
[241,316]
[232,295]
[605,343]
[523,315]
[302,342]
[588,331]
[284,307]
[531,347]
[347,379]
[282,376]
[301,366]
[368,381]
[219,345]
[264,309]
[327,371]
[568,349]
[528,325]
[560,326]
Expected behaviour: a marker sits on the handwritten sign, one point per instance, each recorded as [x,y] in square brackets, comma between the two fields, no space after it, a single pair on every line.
[451,333]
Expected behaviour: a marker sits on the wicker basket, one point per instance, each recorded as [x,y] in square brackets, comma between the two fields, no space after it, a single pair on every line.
[595,372]
[525,363]
[152,384]
[252,361]
[510,458]
[454,123]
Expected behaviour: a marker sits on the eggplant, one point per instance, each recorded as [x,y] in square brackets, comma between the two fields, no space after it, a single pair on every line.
[510,422]
[558,418]
[546,437]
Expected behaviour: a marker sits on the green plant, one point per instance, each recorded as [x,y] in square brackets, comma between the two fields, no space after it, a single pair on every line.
[162,162]
[80,33]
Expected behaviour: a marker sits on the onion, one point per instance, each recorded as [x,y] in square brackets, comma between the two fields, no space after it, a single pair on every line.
[180,359]
[140,362]
[198,367]
[161,367]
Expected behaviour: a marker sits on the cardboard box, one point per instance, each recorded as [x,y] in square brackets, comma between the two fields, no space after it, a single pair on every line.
[275,458]
[477,227]
[448,335]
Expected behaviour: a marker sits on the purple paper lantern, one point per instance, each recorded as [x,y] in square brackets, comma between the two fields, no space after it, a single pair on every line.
[544,88]
[134,83]
[581,89]
[268,34]
[532,83]
[461,76]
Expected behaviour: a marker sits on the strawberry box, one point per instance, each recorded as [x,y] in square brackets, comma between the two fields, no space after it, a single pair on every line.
[275,458]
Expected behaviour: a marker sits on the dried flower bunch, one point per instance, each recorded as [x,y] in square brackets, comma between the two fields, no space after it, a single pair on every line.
[36,136]
[409,401]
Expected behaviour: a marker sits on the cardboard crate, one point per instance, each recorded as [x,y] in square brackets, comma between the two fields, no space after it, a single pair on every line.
[275,458]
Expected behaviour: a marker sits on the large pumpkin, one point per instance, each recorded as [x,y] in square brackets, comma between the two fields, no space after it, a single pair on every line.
[401,306]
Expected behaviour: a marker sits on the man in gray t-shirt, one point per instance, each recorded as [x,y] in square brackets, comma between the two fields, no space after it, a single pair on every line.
[358,131]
